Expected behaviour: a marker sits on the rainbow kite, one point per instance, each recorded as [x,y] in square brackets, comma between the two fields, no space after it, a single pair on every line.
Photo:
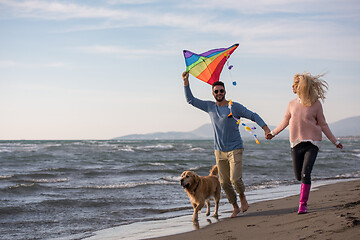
[207,66]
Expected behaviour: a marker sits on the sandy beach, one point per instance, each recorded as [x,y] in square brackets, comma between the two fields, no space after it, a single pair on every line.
[333,213]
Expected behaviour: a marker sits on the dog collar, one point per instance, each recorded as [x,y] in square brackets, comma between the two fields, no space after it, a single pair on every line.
[197,185]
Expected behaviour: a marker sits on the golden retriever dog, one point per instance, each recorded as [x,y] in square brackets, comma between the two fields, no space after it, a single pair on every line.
[201,189]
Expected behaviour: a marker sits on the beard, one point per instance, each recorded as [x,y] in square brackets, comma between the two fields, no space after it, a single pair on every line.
[220,98]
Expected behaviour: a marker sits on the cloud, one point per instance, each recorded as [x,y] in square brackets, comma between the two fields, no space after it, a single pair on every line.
[62,11]
[263,7]
[193,15]
[277,27]
[114,17]
[145,10]
[132,2]
[125,51]
[10,64]
[6,64]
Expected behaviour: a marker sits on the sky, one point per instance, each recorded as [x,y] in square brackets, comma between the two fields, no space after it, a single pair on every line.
[104,69]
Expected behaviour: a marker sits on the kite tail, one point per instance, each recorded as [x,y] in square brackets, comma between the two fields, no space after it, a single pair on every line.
[231,78]
[229,68]
[250,130]
[238,121]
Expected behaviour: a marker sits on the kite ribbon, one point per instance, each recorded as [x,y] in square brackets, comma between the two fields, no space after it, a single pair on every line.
[238,121]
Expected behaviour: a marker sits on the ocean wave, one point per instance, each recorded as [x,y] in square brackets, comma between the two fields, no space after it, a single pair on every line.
[130,185]
[21,180]
[61,169]
[266,185]
[6,176]
[143,148]
[22,185]
[27,186]
[277,183]
[125,149]
[172,179]
[202,170]
[19,148]
[157,164]
[197,149]
[26,147]
[48,180]
[147,171]
[158,147]
[83,143]
[348,175]
[5,150]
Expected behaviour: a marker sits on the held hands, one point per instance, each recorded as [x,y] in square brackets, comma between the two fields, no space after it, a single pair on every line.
[269,136]
[267,132]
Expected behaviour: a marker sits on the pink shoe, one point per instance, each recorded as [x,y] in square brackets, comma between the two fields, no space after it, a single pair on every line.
[304,196]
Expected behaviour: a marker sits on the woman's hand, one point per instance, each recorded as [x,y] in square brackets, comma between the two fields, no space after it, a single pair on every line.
[339,145]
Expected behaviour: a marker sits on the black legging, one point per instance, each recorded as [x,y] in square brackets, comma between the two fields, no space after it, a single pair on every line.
[304,156]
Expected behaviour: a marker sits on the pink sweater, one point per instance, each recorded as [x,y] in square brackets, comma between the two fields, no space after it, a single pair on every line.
[305,123]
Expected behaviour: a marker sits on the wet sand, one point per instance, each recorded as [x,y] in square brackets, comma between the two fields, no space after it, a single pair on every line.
[333,213]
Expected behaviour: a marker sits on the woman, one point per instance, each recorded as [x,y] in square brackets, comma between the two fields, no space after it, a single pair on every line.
[306,121]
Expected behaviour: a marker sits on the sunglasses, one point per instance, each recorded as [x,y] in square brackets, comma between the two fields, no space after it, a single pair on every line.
[221,91]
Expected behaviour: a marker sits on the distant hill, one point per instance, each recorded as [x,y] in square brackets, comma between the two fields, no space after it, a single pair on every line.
[160,136]
[346,127]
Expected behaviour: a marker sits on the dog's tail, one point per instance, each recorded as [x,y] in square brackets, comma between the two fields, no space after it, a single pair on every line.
[214,171]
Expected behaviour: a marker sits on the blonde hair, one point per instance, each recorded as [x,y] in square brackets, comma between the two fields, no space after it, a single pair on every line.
[310,88]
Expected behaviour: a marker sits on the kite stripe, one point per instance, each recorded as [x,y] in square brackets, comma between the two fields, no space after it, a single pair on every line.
[207,66]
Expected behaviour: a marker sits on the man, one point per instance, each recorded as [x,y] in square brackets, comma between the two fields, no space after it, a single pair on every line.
[228,143]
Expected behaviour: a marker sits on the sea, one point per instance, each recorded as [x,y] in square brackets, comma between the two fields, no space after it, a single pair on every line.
[77,189]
